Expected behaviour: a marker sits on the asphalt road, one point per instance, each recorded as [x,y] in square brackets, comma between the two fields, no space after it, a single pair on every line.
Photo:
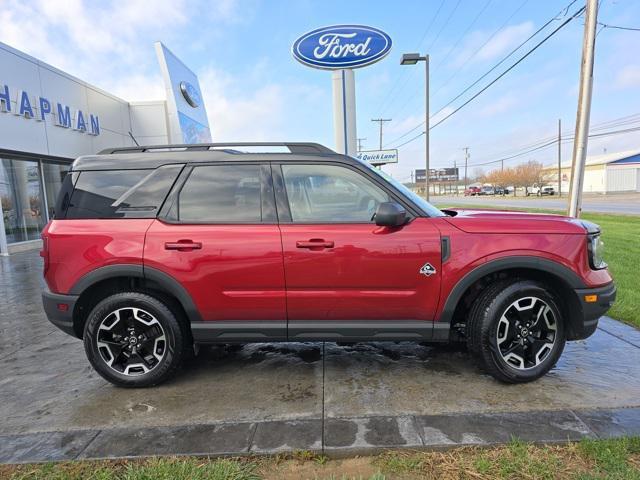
[624,204]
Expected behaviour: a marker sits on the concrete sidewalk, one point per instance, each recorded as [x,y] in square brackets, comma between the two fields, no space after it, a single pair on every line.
[335,437]
[266,398]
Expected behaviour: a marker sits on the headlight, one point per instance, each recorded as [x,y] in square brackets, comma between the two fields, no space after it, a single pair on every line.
[596,252]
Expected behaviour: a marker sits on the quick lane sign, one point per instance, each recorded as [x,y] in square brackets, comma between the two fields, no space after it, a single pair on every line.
[378,157]
[20,103]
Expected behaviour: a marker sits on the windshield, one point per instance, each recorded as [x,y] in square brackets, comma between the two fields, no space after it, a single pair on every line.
[417,199]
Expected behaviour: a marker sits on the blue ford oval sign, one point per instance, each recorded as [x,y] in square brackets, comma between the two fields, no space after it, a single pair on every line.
[341,46]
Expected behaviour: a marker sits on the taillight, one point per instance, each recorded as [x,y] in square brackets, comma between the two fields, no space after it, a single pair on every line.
[44,253]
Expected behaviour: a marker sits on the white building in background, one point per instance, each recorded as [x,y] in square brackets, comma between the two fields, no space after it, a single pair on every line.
[48,118]
[608,173]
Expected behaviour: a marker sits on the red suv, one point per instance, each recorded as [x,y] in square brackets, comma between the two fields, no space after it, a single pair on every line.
[154,250]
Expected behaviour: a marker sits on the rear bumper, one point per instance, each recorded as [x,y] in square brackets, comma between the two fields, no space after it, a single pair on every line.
[61,318]
[592,311]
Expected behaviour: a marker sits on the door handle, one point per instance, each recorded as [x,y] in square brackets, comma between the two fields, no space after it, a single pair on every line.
[314,243]
[183,245]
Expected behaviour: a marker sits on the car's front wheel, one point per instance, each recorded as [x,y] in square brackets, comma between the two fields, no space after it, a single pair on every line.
[134,340]
[517,330]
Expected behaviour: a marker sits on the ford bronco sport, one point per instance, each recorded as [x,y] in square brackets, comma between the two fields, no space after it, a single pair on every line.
[155,250]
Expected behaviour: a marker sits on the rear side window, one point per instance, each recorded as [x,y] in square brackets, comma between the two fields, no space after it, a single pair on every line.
[64,195]
[220,194]
[121,193]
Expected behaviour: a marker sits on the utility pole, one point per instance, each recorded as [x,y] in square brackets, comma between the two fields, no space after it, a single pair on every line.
[579,156]
[427,127]
[380,121]
[466,161]
[360,143]
[559,158]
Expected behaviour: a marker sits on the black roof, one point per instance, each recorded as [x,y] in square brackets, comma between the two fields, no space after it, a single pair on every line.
[154,156]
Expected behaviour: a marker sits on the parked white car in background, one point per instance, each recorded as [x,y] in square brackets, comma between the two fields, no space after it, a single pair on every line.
[540,190]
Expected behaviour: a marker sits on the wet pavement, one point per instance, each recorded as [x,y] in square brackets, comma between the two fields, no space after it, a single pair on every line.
[279,397]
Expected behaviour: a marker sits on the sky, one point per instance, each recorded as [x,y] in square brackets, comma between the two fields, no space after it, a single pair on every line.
[255,91]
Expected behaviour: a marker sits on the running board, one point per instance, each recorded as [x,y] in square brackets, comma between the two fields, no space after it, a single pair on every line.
[320,331]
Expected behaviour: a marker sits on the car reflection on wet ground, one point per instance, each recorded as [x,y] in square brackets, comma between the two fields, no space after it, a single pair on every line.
[48,385]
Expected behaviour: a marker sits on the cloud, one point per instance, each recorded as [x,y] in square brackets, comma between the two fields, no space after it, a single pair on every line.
[628,77]
[238,112]
[110,44]
[500,105]
[503,42]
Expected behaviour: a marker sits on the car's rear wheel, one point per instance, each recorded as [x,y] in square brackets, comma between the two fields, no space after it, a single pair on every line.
[517,330]
[134,340]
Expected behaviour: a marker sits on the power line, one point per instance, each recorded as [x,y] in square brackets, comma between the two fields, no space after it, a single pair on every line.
[411,140]
[520,60]
[566,139]
[618,27]
[500,63]
[616,122]
[504,24]
[383,104]
[563,24]
[473,22]
[446,22]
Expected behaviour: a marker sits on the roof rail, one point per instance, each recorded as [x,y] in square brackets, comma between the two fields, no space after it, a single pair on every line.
[294,147]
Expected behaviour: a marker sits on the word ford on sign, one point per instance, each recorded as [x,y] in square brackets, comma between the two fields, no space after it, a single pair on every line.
[341,46]
[330,45]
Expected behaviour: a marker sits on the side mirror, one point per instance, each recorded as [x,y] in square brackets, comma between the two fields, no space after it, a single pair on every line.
[390,214]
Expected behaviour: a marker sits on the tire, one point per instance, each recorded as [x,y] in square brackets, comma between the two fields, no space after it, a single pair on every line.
[510,308]
[118,338]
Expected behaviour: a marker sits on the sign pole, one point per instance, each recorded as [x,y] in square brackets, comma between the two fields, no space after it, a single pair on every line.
[344,111]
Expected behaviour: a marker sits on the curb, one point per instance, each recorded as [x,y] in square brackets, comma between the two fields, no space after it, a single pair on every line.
[334,437]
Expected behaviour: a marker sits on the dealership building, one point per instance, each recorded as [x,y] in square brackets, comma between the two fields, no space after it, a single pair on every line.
[608,173]
[48,118]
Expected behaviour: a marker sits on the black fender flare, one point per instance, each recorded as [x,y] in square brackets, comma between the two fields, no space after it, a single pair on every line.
[165,280]
[568,276]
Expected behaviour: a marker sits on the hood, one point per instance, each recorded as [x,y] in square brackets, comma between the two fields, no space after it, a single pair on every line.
[502,221]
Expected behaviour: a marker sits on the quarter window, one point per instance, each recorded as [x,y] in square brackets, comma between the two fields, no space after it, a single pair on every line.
[330,194]
[116,193]
[220,194]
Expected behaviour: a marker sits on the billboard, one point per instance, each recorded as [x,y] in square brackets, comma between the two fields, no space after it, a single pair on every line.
[378,157]
[438,175]
[188,122]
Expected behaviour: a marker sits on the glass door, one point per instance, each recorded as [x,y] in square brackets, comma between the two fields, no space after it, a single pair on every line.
[21,196]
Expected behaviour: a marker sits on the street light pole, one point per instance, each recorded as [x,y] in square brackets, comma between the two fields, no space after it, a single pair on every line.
[412,59]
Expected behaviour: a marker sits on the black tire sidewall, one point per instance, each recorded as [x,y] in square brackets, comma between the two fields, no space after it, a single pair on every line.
[173,332]
[489,325]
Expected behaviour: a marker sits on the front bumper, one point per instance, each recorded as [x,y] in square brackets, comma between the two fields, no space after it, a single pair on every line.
[61,318]
[592,311]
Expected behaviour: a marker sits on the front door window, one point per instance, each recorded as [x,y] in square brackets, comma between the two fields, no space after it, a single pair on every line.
[330,194]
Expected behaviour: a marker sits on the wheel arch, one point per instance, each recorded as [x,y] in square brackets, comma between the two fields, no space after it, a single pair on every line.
[558,277]
[104,281]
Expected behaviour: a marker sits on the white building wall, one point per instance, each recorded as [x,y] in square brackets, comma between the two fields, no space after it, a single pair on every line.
[149,122]
[20,71]
[623,178]
[594,180]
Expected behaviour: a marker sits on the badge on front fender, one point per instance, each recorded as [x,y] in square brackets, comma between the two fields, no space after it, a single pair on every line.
[427,269]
